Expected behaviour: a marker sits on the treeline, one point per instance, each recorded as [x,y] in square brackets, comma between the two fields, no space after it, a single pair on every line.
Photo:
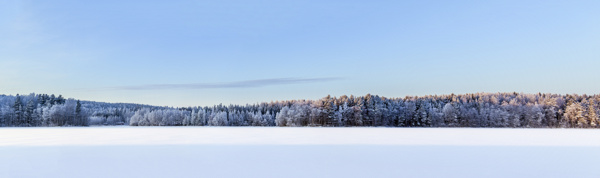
[40,110]
[515,110]
[49,110]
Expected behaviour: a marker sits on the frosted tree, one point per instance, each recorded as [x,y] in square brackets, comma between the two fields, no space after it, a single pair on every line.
[155,117]
[18,112]
[259,120]
[436,117]
[78,114]
[407,113]
[283,117]
[574,115]
[468,117]
[534,116]
[203,117]
[421,115]
[450,115]
[140,118]
[187,121]
[316,115]
[219,119]
[337,118]
[237,118]
[550,107]
[301,114]
[29,114]
[390,117]
[591,113]
[515,113]
[269,119]
[352,116]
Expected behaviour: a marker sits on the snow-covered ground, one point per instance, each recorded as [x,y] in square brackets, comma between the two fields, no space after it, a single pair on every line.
[297,152]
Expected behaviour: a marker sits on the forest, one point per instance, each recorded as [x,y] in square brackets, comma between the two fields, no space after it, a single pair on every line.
[496,110]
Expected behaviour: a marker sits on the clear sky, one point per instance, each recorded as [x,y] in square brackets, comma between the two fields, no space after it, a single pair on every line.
[188,53]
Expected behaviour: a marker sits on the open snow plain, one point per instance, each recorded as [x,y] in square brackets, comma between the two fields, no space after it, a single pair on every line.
[298,152]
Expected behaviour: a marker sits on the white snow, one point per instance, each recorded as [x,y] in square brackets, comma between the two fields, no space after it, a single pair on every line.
[298,152]
[296,136]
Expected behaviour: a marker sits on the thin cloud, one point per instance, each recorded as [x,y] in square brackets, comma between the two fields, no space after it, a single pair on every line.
[238,84]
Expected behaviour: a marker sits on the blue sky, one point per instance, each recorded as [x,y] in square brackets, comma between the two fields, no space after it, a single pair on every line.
[188,53]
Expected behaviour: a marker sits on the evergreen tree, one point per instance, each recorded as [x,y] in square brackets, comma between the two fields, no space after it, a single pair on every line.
[60,100]
[78,117]
[52,100]
[29,114]
[41,99]
[591,113]
[18,110]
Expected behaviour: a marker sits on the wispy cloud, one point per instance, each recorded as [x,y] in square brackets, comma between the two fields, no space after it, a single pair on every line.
[238,84]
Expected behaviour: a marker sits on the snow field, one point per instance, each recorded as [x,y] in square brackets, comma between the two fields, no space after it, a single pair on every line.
[297,152]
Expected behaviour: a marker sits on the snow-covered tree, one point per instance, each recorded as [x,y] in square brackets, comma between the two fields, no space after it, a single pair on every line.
[450,115]
[574,115]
